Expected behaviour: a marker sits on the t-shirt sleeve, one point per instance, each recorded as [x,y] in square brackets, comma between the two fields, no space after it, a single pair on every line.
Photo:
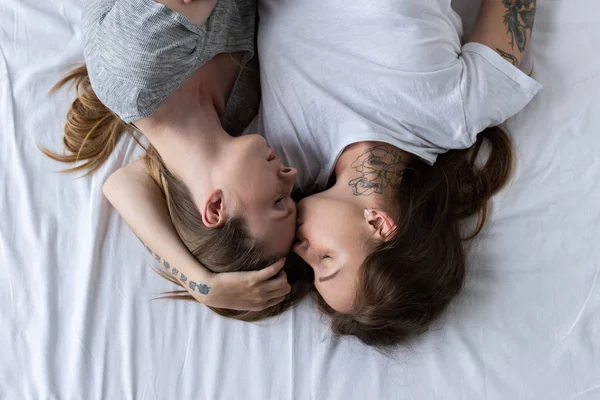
[137,53]
[492,89]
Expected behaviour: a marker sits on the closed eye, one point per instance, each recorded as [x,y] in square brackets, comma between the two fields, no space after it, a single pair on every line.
[279,203]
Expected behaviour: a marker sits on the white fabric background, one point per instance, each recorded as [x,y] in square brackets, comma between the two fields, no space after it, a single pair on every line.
[76,316]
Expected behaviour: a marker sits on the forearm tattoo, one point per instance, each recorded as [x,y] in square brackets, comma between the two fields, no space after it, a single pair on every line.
[518,19]
[508,57]
[378,168]
[201,287]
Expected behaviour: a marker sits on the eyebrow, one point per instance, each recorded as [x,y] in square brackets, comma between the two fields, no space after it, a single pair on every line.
[326,278]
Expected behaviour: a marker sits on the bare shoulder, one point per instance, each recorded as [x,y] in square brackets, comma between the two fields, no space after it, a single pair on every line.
[133,171]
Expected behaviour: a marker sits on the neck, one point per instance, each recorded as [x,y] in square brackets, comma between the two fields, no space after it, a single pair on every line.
[371,173]
[192,150]
[187,132]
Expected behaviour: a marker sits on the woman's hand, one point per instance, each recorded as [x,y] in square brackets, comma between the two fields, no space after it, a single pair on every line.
[251,291]
[142,205]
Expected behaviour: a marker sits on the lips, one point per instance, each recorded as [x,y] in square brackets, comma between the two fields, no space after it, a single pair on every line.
[272,155]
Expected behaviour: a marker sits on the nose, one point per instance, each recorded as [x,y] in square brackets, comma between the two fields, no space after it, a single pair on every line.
[304,251]
[301,248]
[288,175]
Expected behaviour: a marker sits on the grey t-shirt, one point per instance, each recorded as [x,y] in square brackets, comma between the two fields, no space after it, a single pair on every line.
[138,52]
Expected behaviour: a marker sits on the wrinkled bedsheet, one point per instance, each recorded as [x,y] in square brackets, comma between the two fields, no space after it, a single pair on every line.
[77,320]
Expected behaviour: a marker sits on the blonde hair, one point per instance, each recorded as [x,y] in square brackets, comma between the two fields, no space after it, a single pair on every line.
[90,136]
[91,131]
[230,248]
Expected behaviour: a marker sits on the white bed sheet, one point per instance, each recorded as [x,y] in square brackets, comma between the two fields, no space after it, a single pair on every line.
[76,316]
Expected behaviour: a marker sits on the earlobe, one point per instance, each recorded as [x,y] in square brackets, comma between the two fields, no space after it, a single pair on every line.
[383,226]
[214,210]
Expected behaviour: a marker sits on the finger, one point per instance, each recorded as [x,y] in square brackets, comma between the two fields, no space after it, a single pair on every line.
[279,282]
[274,301]
[270,271]
[280,292]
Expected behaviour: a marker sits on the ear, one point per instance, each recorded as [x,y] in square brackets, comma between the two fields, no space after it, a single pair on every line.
[214,214]
[383,226]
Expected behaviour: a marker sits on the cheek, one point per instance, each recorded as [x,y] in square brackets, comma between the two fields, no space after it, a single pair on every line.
[258,191]
[337,225]
[339,295]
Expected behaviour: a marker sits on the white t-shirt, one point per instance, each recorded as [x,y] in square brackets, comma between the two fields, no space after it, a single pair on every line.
[337,72]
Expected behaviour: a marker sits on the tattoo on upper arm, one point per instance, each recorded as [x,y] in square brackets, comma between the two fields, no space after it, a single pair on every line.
[509,57]
[202,288]
[378,168]
[518,19]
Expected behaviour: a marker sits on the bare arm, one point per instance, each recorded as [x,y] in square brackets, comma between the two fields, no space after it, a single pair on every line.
[505,26]
[141,203]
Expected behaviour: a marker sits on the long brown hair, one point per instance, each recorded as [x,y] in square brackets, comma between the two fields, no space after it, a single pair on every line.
[90,136]
[408,282]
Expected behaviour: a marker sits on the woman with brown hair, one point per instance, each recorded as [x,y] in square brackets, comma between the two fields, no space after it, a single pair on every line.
[396,91]
[187,80]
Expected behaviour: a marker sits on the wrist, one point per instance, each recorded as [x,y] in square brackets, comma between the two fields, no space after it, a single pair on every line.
[194,277]
[200,289]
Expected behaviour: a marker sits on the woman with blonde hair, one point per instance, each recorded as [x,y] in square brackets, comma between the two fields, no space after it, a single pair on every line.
[184,75]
